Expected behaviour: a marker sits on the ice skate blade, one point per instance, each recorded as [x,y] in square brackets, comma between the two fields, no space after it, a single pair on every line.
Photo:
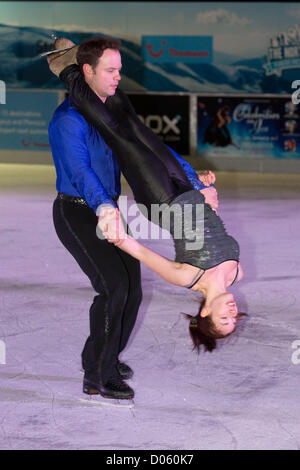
[97,400]
[55,51]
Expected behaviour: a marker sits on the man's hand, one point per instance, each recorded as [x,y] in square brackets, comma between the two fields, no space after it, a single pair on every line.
[111,225]
[105,213]
[211,198]
[207,177]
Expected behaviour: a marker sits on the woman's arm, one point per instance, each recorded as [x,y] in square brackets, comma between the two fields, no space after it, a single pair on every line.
[113,230]
[241,273]
[170,271]
[211,198]
[221,119]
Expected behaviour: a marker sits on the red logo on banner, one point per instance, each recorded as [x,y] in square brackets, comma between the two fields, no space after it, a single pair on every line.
[156,54]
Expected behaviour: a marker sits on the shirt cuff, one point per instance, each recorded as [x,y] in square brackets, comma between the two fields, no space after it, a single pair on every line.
[106,203]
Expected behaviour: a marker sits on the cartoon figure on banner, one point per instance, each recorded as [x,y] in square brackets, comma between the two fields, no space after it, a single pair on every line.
[217,133]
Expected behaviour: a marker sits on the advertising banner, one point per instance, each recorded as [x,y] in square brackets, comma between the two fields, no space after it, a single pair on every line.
[284,52]
[248,126]
[24,120]
[193,47]
[167,115]
[170,49]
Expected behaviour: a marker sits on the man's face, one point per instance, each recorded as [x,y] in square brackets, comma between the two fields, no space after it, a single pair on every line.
[106,76]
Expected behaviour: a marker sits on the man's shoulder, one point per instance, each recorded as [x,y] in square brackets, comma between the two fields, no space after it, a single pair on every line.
[67,115]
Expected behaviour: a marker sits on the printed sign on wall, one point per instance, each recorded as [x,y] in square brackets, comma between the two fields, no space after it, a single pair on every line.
[202,47]
[166,49]
[284,52]
[248,127]
[24,120]
[167,116]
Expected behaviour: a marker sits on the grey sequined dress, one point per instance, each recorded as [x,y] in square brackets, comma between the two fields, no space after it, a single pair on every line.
[199,235]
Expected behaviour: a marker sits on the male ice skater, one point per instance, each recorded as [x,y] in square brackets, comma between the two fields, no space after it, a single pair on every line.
[88,177]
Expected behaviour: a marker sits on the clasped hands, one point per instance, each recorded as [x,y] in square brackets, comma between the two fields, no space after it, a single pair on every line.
[111,225]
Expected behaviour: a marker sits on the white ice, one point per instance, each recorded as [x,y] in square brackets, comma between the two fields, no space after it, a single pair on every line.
[244,395]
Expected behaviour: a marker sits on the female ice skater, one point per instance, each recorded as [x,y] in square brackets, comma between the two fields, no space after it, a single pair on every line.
[156,177]
[217,134]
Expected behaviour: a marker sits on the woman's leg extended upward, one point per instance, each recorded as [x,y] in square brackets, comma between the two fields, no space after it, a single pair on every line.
[151,170]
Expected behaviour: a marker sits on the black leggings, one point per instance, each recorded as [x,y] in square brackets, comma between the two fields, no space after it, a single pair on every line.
[152,171]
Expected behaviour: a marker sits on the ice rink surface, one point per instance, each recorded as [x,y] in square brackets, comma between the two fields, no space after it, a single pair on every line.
[244,395]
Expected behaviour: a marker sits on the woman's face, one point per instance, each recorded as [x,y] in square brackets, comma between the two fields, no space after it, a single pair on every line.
[223,312]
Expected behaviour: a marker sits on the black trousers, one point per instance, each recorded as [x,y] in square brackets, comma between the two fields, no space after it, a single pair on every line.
[116,278]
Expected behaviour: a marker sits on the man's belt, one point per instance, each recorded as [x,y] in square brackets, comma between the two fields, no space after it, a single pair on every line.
[77,199]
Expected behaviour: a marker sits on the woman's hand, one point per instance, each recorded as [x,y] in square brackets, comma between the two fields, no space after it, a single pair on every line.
[111,225]
[211,198]
[207,177]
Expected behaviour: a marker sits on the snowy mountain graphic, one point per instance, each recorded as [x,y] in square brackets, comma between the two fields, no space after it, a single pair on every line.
[21,67]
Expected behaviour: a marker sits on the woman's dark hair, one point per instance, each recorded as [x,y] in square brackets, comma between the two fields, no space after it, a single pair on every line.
[225,110]
[90,50]
[203,331]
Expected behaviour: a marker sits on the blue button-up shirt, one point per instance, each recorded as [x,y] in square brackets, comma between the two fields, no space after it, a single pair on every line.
[85,165]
